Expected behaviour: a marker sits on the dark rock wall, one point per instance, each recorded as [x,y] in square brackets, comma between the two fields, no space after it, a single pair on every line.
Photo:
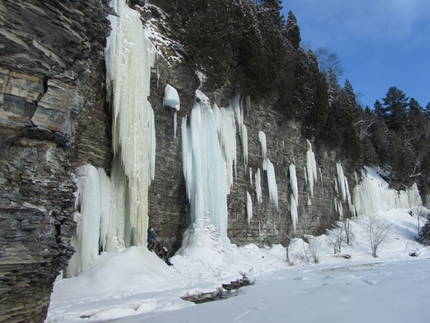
[52,119]
[169,208]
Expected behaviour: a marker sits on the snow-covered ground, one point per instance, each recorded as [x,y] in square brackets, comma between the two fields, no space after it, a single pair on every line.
[136,286]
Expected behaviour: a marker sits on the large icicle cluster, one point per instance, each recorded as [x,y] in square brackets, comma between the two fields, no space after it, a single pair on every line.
[114,212]
[226,128]
[373,194]
[342,188]
[203,167]
[129,57]
[236,105]
[92,199]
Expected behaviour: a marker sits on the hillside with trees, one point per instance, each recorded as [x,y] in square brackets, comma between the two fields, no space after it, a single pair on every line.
[250,48]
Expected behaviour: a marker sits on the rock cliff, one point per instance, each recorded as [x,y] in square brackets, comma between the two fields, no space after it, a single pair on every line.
[54,118]
[51,88]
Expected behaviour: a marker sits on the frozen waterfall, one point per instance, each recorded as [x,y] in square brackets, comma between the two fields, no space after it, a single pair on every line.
[203,166]
[113,212]
[92,199]
[311,168]
[373,194]
[129,57]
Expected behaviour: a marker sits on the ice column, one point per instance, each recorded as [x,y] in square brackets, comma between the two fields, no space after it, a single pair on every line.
[262,139]
[342,188]
[294,215]
[92,204]
[271,181]
[129,57]
[204,169]
[293,182]
[294,196]
[311,167]
[258,186]
[237,106]
[248,207]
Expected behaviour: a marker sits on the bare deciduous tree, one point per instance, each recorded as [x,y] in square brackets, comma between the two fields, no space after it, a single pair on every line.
[313,247]
[377,231]
[335,237]
[421,214]
[349,235]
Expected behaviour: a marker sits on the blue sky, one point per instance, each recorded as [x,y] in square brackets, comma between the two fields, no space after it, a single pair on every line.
[380,43]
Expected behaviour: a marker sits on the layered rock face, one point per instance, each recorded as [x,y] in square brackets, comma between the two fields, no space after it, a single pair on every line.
[51,87]
[169,208]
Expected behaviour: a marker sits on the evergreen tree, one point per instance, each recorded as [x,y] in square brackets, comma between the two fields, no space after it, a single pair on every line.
[293,31]
[396,106]
[427,110]
[379,110]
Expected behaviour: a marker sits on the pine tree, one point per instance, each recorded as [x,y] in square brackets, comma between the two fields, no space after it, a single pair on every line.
[380,111]
[396,105]
[293,30]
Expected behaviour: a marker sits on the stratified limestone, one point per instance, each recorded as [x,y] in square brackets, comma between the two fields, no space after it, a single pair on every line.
[51,88]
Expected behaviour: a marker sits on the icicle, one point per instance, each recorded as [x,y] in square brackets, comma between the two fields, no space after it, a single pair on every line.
[250,176]
[271,181]
[343,184]
[175,121]
[338,207]
[293,183]
[262,138]
[258,186]
[226,128]
[311,167]
[236,106]
[244,140]
[248,207]
[306,175]
[294,216]
[248,104]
